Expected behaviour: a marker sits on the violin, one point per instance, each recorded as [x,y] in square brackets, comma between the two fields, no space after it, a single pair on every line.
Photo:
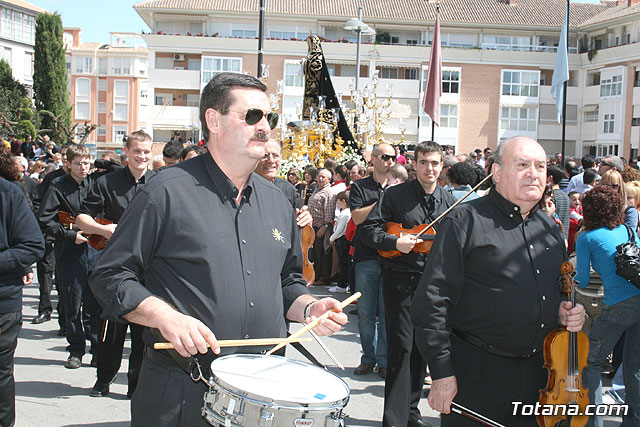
[420,230]
[565,356]
[307,237]
[97,241]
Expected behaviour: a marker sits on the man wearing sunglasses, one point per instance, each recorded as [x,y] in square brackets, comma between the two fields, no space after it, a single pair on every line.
[218,251]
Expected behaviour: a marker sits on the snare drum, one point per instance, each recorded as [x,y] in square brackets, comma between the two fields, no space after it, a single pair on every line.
[249,390]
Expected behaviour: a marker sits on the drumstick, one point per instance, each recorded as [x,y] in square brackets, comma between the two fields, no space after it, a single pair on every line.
[313,324]
[238,343]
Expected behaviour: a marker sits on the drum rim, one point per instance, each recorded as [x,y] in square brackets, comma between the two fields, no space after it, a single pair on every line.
[278,403]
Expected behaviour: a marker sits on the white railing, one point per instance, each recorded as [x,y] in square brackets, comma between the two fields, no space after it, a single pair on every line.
[524,47]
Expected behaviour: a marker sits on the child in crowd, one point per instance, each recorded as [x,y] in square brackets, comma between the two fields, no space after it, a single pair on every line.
[575,218]
[397,174]
[340,241]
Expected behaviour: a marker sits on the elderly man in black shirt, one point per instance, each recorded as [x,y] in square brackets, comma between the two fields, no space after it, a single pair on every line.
[108,198]
[218,251]
[489,294]
[412,203]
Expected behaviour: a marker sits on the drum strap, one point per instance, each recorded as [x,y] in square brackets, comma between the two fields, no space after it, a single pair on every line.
[188,364]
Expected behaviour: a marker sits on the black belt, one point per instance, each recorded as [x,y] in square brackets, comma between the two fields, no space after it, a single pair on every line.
[477,342]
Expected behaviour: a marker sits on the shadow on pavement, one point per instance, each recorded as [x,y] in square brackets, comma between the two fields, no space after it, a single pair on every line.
[48,390]
[19,360]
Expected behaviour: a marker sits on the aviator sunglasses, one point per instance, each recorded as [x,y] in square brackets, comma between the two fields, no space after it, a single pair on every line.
[254,115]
[385,157]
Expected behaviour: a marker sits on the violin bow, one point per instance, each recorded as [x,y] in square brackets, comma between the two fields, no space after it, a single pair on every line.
[466,412]
[443,214]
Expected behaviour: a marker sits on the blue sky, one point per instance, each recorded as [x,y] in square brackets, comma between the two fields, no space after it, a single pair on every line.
[96,17]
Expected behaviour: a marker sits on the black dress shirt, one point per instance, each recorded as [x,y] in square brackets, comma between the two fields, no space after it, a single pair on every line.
[64,194]
[111,193]
[236,268]
[363,192]
[492,275]
[289,191]
[409,205]
[43,187]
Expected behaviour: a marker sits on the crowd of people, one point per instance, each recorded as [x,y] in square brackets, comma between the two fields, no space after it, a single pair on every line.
[203,245]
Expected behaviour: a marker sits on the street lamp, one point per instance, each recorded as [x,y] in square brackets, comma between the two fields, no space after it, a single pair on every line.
[356,24]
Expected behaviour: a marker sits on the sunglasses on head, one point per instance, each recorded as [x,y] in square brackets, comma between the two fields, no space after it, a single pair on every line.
[254,115]
[385,157]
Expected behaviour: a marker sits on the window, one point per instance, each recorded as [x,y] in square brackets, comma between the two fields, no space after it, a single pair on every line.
[593,79]
[245,34]
[635,121]
[388,73]
[82,101]
[520,83]
[449,116]
[102,131]
[636,78]
[395,39]
[6,55]
[284,35]
[412,42]
[102,65]
[6,23]
[83,64]
[195,27]
[121,100]
[609,123]
[68,63]
[102,85]
[211,66]
[450,81]
[28,66]
[518,119]
[193,100]
[591,116]
[120,133]
[163,99]
[611,87]
[121,66]
[293,76]
[410,74]
[102,107]
[193,64]
[29,35]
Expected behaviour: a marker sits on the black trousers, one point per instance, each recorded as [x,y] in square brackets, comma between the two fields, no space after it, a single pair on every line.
[344,260]
[46,267]
[488,384]
[322,259]
[110,352]
[57,252]
[10,325]
[166,396]
[406,369]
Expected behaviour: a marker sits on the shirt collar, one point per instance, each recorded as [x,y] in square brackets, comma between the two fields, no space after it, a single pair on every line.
[510,209]
[437,194]
[226,189]
[143,179]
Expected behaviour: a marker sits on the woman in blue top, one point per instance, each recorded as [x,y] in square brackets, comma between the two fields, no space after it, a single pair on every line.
[603,221]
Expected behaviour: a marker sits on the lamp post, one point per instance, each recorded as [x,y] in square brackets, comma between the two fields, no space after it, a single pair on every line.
[356,24]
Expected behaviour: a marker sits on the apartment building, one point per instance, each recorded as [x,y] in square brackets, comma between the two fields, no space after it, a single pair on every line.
[18,37]
[498,60]
[107,85]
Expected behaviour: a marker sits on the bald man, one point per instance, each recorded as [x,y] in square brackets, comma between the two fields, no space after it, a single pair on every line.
[489,295]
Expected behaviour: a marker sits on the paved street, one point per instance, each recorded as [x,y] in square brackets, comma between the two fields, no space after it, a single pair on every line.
[48,394]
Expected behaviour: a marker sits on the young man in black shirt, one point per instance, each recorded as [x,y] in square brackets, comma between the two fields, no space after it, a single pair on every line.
[76,258]
[412,203]
[218,251]
[489,294]
[108,198]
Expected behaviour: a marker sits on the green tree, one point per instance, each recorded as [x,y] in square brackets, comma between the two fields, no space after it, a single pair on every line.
[11,94]
[25,123]
[51,92]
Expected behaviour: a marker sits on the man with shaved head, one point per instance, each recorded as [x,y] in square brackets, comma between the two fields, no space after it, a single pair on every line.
[489,295]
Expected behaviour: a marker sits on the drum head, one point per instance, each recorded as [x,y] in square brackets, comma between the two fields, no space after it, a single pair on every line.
[280,379]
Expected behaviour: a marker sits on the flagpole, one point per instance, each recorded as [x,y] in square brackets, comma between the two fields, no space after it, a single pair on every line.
[564,95]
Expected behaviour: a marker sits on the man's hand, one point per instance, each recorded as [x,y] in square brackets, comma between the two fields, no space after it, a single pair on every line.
[336,320]
[572,318]
[303,216]
[321,231]
[27,279]
[109,230]
[188,335]
[80,239]
[406,243]
[442,393]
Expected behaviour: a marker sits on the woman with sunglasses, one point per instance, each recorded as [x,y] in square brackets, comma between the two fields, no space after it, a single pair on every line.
[294,178]
[612,178]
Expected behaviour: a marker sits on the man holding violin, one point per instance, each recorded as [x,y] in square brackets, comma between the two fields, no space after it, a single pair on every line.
[490,294]
[414,203]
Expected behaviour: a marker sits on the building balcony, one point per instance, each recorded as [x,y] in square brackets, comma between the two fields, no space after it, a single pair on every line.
[636,95]
[524,48]
[591,95]
[174,79]
[401,88]
[160,116]
[573,95]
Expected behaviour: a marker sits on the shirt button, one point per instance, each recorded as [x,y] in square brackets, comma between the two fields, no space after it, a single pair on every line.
[240,211]
[515,208]
[531,246]
[244,241]
[533,351]
[251,304]
[510,215]
[544,298]
[246,337]
[542,325]
[538,271]
[249,272]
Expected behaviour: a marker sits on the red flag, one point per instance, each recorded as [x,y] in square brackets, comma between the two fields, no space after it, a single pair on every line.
[433,91]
